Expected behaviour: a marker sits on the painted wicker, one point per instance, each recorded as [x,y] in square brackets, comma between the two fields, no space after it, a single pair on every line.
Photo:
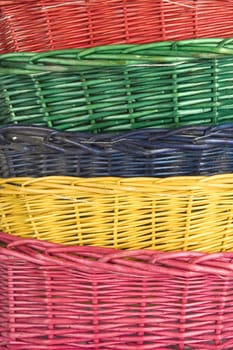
[55,297]
[116,88]
[34,151]
[168,214]
[39,25]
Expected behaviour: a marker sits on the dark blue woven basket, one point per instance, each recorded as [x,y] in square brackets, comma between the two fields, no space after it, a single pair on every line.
[34,151]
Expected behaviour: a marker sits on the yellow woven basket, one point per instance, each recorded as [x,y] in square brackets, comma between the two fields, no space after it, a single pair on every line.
[182,213]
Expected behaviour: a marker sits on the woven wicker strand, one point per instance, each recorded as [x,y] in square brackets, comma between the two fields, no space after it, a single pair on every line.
[55,297]
[39,25]
[117,88]
[35,152]
[168,214]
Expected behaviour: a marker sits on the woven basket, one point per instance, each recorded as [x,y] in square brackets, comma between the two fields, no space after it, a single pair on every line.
[114,88]
[55,297]
[34,151]
[166,214]
[39,25]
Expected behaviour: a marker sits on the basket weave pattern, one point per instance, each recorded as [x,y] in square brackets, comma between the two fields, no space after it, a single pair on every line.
[177,213]
[84,294]
[55,297]
[39,25]
[160,84]
[34,151]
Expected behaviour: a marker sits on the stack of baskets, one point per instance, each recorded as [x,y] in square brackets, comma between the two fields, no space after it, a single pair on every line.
[116,166]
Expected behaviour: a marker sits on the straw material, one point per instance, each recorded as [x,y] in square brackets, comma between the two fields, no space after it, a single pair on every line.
[55,297]
[166,214]
[114,88]
[34,151]
[39,25]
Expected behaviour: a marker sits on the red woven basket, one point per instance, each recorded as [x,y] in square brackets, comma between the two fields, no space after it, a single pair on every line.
[41,25]
[56,297]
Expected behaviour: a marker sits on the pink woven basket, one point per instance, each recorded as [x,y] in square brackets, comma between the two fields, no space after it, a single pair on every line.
[73,298]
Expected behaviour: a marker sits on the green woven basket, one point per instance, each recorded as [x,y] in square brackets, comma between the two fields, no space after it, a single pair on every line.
[121,87]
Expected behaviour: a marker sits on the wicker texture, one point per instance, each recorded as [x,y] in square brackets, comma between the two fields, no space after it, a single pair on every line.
[39,25]
[55,297]
[114,88]
[34,151]
[166,214]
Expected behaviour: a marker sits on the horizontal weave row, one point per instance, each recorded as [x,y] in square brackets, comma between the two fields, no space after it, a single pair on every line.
[37,151]
[168,214]
[55,297]
[39,25]
[122,87]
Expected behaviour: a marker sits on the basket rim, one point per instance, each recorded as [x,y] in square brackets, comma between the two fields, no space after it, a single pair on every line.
[58,185]
[187,137]
[94,259]
[3,2]
[107,56]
